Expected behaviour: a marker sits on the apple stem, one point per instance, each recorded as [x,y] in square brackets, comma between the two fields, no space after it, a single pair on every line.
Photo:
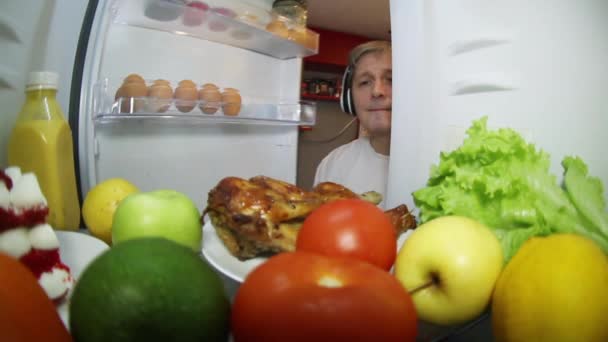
[422,287]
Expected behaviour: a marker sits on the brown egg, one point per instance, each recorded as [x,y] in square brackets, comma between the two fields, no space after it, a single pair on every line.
[186,83]
[132,97]
[278,27]
[134,78]
[161,82]
[209,85]
[210,99]
[186,96]
[120,92]
[231,102]
[160,96]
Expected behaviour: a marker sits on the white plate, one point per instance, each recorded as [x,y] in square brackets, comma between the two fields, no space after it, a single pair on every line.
[76,250]
[219,257]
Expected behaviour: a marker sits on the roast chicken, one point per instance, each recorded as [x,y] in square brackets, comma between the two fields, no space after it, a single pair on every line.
[262,216]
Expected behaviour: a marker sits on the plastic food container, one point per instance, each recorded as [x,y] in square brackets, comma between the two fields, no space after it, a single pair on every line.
[195,13]
[220,20]
[164,10]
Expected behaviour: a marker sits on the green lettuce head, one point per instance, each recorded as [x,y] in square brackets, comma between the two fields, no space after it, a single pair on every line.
[499,179]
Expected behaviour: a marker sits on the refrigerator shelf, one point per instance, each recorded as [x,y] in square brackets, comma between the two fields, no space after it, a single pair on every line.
[108,107]
[301,113]
[233,23]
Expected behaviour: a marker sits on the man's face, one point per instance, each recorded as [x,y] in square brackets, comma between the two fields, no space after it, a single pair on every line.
[372,91]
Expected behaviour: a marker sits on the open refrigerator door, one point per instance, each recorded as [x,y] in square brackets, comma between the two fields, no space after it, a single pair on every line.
[215,94]
[535,69]
[187,142]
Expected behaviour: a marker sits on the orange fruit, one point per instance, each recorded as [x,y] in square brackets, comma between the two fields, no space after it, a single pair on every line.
[26,312]
[553,289]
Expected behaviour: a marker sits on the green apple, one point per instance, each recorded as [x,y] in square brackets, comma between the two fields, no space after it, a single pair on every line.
[161,213]
[459,261]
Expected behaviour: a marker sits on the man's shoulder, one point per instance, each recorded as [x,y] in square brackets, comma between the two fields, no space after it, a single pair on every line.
[332,165]
[346,149]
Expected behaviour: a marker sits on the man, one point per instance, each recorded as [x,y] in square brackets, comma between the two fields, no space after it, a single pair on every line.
[362,165]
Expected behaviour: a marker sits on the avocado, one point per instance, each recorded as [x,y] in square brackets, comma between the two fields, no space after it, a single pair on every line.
[149,289]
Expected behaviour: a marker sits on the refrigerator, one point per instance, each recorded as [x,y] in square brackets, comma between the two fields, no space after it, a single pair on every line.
[103,41]
[539,67]
[186,149]
[94,45]
[192,151]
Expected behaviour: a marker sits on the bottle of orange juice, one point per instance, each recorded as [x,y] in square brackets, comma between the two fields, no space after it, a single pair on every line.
[41,142]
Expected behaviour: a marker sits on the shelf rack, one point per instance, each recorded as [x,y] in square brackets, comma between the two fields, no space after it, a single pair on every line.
[232,23]
[267,111]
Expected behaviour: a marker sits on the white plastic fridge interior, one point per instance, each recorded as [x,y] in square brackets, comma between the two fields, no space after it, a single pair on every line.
[539,67]
[190,156]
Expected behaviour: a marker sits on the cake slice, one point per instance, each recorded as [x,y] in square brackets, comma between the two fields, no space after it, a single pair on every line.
[25,235]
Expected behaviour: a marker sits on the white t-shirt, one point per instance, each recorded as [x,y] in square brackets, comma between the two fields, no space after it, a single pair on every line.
[356,166]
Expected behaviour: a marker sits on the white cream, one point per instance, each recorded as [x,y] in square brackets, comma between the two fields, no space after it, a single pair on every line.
[14,173]
[15,242]
[26,192]
[56,282]
[43,237]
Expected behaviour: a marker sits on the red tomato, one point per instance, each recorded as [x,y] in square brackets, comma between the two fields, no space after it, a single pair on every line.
[302,296]
[350,228]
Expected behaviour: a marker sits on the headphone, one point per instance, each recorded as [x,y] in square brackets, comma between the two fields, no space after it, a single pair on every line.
[346,94]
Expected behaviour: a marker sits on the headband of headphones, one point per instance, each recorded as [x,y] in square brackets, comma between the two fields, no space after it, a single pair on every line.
[346,94]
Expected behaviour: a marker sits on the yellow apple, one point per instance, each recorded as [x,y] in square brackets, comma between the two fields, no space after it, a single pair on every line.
[554,289]
[459,259]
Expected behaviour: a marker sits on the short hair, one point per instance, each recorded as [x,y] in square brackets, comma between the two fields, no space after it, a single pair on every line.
[374,46]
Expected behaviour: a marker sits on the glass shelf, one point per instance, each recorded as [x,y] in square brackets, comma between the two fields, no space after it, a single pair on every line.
[314,97]
[110,109]
[232,23]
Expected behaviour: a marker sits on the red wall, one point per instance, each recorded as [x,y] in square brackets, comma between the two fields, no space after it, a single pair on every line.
[334,48]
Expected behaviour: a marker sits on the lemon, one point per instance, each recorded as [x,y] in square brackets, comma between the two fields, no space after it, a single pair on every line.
[553,289]
[100,204]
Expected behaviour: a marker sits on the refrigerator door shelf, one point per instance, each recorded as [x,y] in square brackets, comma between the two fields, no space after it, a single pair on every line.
[253,110]
[233,23]
[108,108]
[302,113]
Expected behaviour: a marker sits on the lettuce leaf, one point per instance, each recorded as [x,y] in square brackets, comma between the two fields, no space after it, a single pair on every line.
[497,178]
[586,193]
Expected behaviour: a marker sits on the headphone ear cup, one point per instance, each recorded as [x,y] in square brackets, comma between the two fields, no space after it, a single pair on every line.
[346,100]
[349,101]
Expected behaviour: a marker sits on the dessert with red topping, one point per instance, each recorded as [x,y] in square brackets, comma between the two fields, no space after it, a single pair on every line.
[25,235]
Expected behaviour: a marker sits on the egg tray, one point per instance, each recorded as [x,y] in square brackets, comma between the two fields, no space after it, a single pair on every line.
[108,106]
[159,106]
